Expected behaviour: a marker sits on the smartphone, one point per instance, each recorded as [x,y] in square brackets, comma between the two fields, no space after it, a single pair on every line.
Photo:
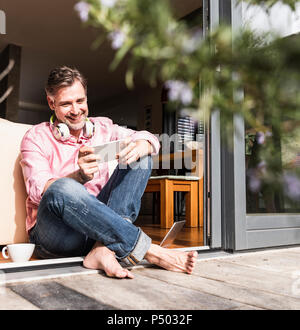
[109,150]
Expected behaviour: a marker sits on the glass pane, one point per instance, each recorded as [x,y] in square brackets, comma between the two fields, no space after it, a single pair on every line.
[258,20]
[272,165]
[181,157]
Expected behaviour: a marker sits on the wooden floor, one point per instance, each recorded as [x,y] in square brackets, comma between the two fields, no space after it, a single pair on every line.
[255,280]
[188,237]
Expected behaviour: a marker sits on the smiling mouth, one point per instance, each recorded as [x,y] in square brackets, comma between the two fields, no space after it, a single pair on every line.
[75,119]
[75,122]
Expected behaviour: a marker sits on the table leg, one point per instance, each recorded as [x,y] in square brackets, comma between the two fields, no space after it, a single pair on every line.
[166,204]
[192,204]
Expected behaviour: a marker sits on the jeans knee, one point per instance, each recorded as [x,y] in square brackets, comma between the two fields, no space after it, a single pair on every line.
[144,163]
[147,162]
[64,186]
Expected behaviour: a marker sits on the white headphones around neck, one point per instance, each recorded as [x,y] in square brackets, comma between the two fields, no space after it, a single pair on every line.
[62,133]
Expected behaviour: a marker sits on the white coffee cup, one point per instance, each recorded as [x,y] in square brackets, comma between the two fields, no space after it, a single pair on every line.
[20,252]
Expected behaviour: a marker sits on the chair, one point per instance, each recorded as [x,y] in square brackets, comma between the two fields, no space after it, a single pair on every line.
[12,189]
[167,185]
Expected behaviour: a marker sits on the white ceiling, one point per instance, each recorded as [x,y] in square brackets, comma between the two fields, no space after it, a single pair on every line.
[51,34]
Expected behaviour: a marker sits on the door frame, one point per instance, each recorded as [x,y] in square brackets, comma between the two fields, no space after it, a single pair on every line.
[232,228]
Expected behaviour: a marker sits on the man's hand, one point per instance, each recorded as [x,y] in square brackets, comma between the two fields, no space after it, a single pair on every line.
[88,166]
[87,162]
[134,150]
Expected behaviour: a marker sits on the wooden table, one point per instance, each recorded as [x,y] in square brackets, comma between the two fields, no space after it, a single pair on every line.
[167,185]
[193,159]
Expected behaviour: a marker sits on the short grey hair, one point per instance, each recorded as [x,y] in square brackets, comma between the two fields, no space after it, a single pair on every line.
[63,77]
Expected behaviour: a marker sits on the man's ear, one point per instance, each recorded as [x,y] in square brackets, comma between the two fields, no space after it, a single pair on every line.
[50,102]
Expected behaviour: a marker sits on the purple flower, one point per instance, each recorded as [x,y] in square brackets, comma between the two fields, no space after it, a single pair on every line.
[260,137]
[254,181]
[117,39]
[261,167]
[292,186]
[179,91]
[83,9]
[190,44]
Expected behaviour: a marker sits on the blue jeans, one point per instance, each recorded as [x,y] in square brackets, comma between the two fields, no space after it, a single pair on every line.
[70,220]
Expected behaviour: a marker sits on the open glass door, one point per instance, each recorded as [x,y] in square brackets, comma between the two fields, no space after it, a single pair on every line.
[256,213]
[182,161]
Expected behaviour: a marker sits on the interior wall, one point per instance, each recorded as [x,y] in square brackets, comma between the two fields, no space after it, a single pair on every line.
[150,98]
[121,109]
[33,117]
[128,109]
[31,113]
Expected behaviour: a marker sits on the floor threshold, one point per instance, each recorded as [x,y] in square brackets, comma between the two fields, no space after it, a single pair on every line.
[61,267]
[43,262]
[57,261]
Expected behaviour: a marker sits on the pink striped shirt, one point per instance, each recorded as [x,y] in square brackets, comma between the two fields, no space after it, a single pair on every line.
[45,158]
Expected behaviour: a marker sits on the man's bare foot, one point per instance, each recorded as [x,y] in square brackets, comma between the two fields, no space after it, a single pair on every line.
[175,261]
[100,257]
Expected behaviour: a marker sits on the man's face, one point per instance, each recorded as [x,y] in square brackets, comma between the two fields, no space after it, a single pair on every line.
[70,105]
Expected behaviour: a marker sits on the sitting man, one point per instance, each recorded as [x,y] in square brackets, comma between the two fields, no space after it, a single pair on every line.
[73,207]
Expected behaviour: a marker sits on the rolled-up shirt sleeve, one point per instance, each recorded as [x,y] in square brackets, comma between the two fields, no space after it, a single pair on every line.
[120,132]
[35,166]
